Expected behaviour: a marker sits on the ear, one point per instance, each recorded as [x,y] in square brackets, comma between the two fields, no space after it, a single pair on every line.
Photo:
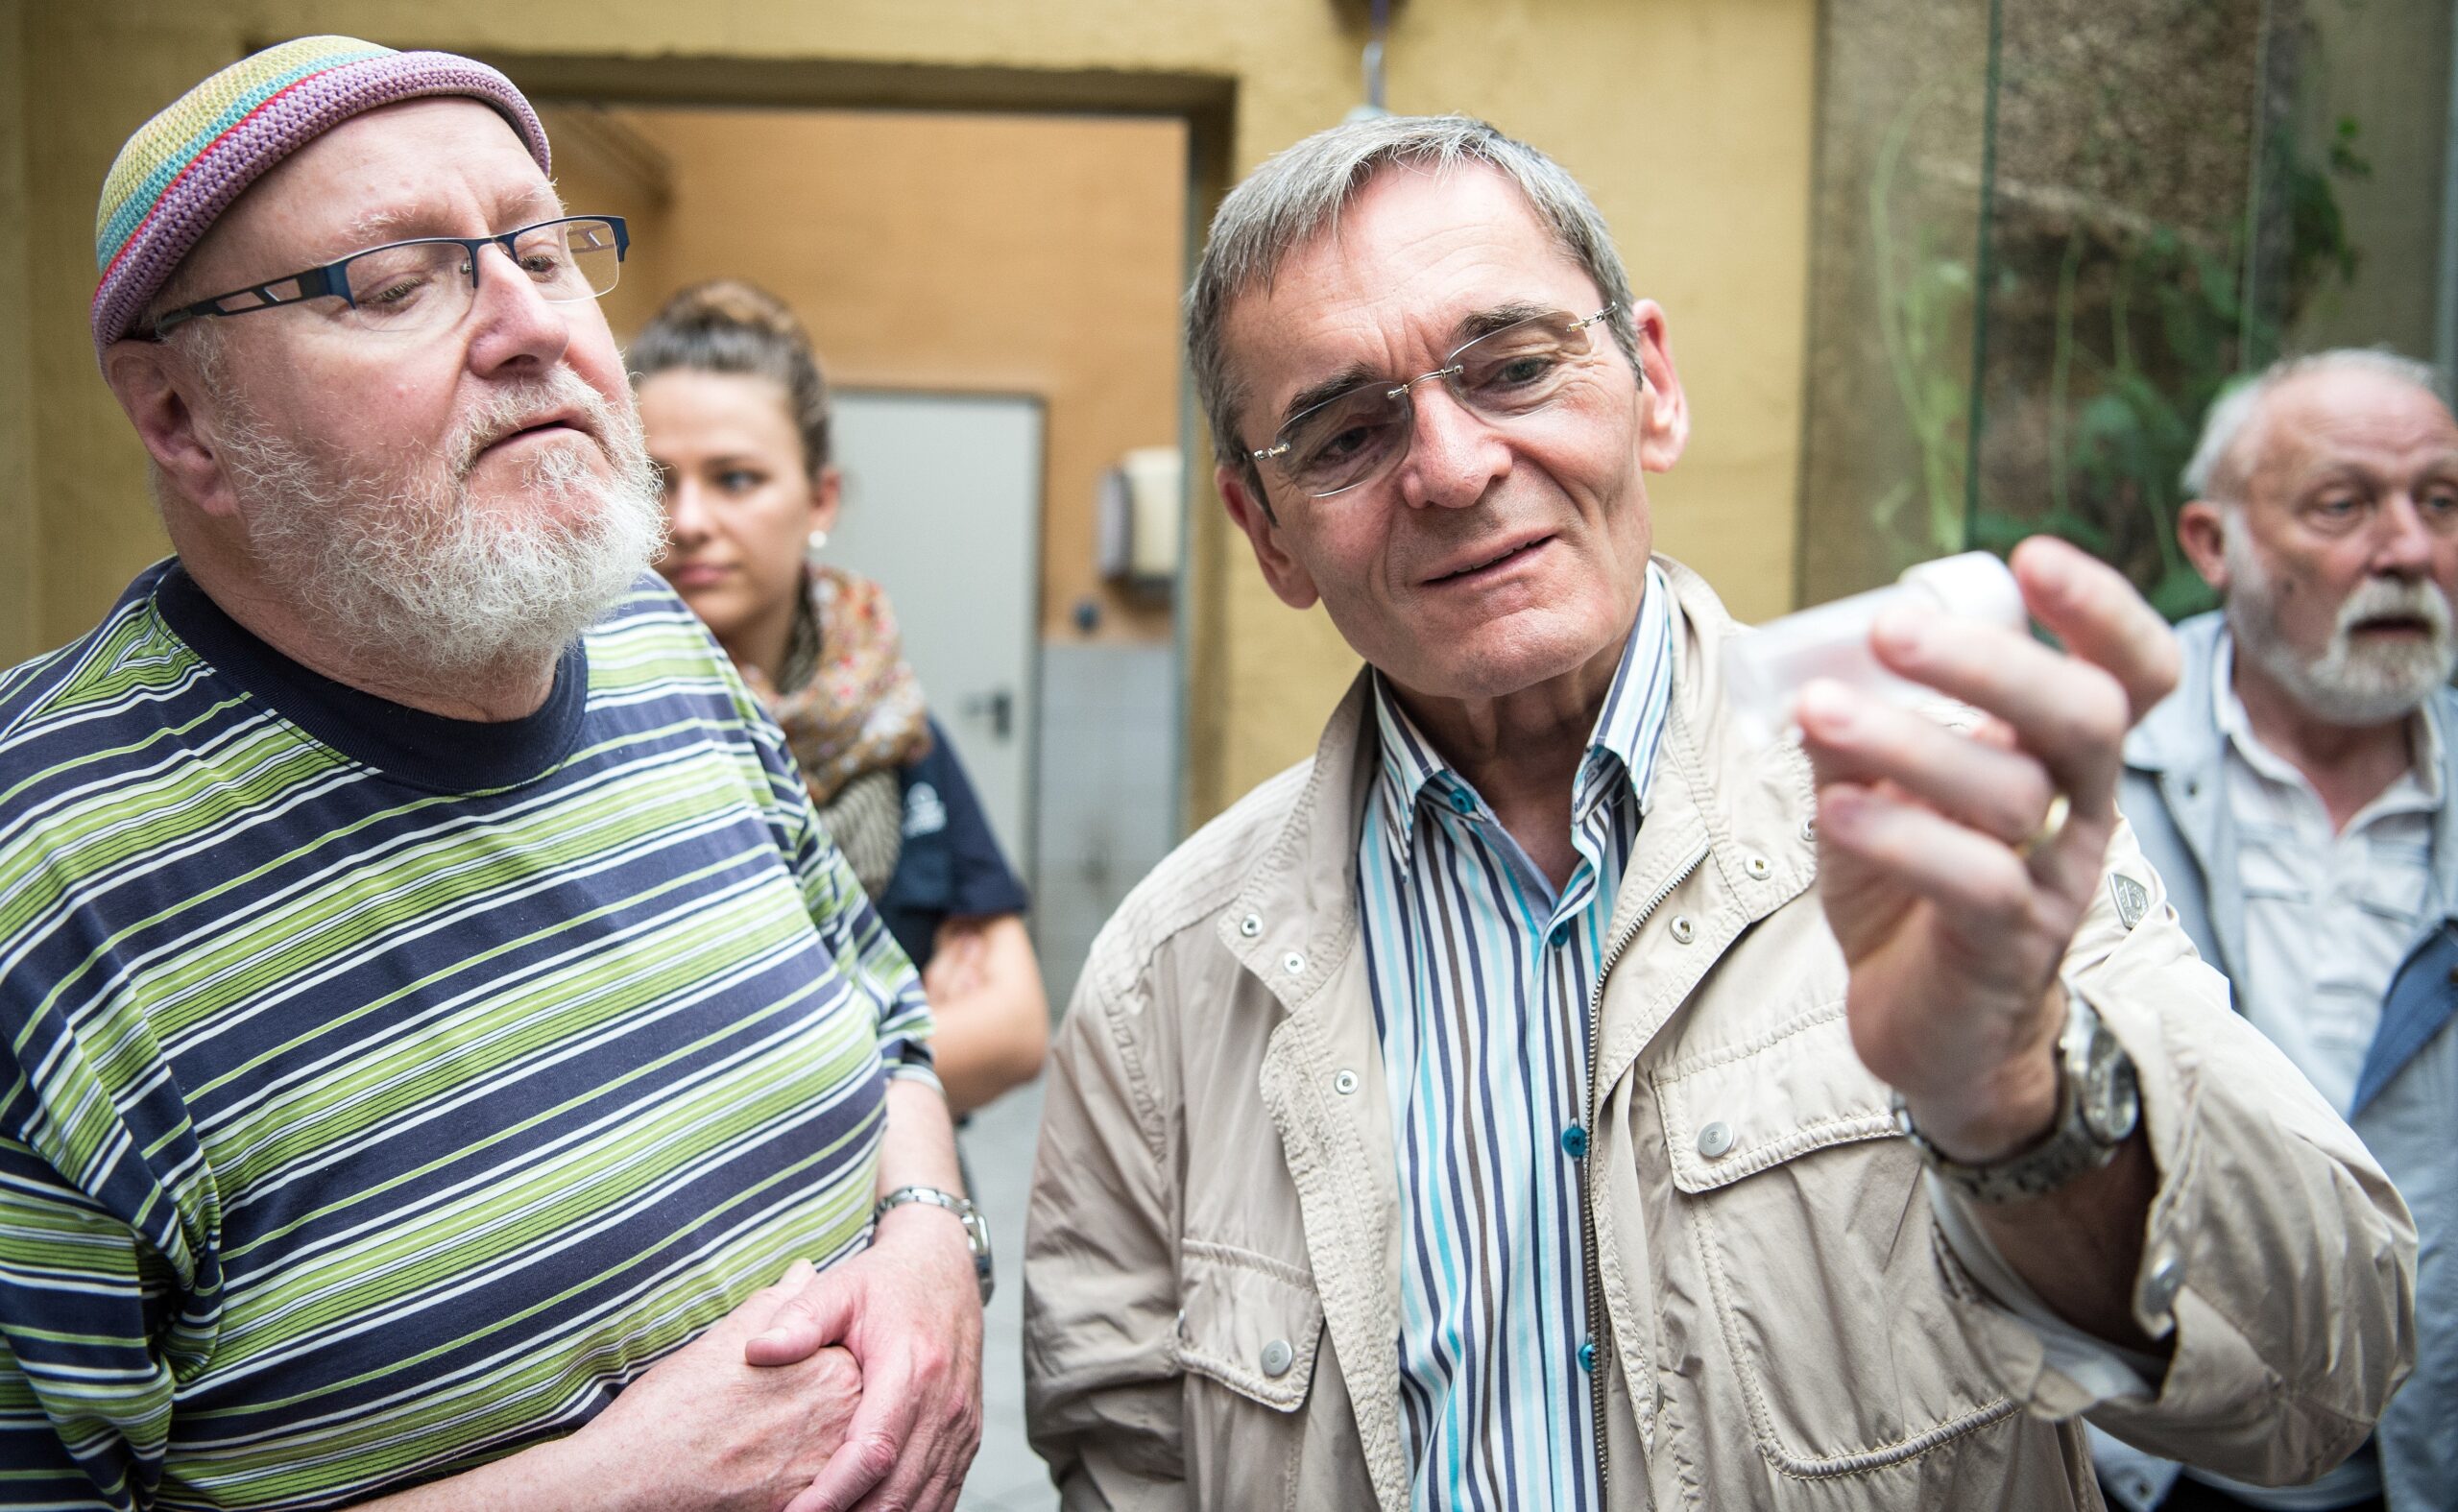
[152,385]
[1664,411]
[2202,529]
[827,492]
[1288,577]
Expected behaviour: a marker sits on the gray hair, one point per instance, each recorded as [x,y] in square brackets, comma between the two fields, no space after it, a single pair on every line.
[2218,473]
[1299,193]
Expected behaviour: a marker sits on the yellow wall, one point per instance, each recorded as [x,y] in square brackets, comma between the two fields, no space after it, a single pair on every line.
[979,253]
[1689,120]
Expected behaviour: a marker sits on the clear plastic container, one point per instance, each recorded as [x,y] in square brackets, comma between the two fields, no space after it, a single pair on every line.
[1765,668]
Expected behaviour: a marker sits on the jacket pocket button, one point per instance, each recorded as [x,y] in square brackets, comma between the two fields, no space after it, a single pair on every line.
[1757,868]
[1683,930]
[2159,1288]
[1344,1083]
[1715,1140]
[1278,1357]
[1293,964]
[1251,926]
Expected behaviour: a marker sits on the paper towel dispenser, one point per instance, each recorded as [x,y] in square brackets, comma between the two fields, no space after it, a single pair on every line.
[1143,501]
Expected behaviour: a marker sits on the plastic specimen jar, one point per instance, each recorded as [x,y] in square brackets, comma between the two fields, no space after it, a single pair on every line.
[1765,668]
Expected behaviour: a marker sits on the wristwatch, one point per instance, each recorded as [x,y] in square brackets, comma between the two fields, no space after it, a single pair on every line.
[2098,1105]
[977,1233]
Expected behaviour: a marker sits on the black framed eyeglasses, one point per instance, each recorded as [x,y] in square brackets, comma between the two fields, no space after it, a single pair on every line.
[428,284]
[1349,439]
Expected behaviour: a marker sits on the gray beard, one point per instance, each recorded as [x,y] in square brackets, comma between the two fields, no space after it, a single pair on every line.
[409,573]
[2352,687]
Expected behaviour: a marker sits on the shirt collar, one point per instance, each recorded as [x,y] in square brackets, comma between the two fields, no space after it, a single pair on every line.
[1621,749]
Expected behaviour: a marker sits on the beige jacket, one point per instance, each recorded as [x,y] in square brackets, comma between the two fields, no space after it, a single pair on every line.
[1788,1329]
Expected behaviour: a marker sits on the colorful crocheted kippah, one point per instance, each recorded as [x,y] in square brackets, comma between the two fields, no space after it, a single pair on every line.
[184,167]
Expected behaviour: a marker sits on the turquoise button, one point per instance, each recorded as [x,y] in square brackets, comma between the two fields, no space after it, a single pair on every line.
[1561,934]
[1574,1142]
[1463,801]
[1587,1357]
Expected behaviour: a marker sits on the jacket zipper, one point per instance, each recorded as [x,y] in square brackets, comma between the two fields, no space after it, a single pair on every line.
[1599,1326]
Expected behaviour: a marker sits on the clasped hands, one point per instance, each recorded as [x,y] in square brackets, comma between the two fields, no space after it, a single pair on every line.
[855,1387]
[1946,875]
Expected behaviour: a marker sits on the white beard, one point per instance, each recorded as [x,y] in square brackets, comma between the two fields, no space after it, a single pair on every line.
[408,571]
[2351,686]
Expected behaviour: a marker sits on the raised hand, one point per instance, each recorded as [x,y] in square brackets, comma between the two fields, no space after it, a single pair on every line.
[1955,866]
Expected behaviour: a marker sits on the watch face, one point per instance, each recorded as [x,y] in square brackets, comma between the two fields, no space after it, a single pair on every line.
[2111,1101]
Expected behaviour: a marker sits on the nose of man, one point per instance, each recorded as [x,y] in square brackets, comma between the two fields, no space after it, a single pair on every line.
[513,321]
[1455,455]
[2403,542]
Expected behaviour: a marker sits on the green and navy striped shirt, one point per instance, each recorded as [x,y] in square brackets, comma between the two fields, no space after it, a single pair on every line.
[380,1093]
[1482,978]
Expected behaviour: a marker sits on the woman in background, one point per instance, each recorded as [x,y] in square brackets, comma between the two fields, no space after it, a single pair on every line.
[736,413]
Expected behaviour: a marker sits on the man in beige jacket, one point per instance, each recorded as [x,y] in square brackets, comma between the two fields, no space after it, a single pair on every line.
[1507,1108]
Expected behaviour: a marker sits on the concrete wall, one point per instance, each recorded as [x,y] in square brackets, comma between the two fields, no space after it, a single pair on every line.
[20,563]
[1689,119]
[2384,65]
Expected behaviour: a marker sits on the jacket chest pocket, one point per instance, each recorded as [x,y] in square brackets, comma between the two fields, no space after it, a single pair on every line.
[1805,1210]
[1249,1332]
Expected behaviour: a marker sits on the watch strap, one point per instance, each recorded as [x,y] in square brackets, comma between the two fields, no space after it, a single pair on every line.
[976,1232]
[2091,1066]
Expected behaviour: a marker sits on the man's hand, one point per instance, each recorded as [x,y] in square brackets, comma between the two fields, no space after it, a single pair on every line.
[705,1429]
[1953,933]
[908,1308]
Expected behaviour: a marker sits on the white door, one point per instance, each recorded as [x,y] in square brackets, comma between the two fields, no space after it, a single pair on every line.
[943,508]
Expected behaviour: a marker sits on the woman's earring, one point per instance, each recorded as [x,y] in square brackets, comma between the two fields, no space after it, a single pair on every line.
[812,549]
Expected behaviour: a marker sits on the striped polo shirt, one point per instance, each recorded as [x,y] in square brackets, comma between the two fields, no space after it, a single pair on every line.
[1483,976]
[380,1093]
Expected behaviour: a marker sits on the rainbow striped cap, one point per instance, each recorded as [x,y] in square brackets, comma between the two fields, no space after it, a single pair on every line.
[182,168]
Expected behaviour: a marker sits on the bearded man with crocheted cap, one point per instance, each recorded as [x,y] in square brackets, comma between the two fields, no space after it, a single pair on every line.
[443,1062]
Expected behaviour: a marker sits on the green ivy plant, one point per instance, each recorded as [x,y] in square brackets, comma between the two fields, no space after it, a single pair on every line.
[2126,393]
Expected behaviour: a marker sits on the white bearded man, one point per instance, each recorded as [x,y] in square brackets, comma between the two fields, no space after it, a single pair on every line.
[1550,1095]
[443,1062]
[2295,793]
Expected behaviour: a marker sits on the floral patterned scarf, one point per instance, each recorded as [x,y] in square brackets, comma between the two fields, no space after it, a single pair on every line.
[851,707]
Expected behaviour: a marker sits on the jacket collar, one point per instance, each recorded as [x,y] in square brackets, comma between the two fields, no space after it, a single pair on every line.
[1621,749]
[1298,901]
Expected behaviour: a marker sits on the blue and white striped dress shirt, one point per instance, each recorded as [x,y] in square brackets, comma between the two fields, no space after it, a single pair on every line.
[1483,977]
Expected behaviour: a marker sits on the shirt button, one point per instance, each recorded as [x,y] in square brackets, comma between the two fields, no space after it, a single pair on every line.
[1278,1357]
[1561,935]
[1293,964]
[1683,930]
[1587,1356]
[1463,801]
[1251,926]
[1715,1140]
[1574,1142]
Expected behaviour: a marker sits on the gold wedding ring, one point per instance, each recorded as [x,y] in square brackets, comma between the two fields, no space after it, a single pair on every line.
[2051,826]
